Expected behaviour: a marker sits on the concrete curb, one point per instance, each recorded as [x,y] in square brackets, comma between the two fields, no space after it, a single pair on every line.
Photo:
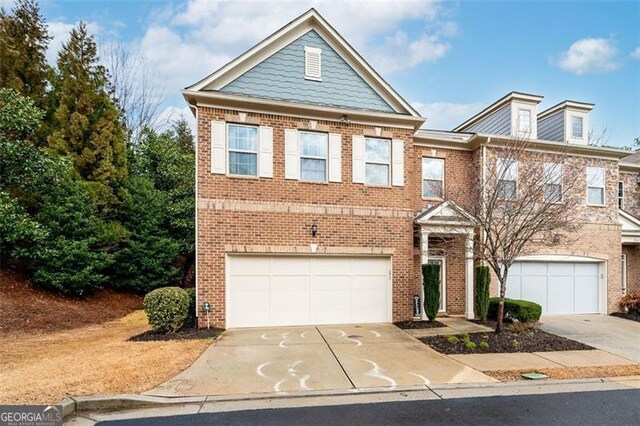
[83,404]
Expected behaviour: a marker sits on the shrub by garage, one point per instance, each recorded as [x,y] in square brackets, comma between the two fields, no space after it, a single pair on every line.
[167,308]
[515,310]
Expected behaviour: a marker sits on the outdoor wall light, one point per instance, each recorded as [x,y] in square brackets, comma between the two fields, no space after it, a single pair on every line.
[314,229]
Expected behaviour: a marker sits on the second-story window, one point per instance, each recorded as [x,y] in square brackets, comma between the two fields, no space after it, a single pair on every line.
[621,195]
[552,182]
[576,127]
[507,176]
[595,186]
[313,156]
[377,161]
[432,177]
[524,120]
[243,150]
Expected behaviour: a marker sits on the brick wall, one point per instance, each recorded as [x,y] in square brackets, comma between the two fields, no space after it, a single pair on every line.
[631,193]
[633,268]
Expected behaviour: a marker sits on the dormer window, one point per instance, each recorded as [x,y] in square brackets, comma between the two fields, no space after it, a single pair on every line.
[312,63]
[524,121]
[576,127]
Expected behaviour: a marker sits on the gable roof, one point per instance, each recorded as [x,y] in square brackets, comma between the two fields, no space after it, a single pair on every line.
[630,227]
[633,158]
[310,20]
[505,100]
[446,212]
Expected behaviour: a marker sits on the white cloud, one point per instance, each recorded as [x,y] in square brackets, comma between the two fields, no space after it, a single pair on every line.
[7,4]
[59,31]
[590,55]
[398,52]
[636,53]
[446,115]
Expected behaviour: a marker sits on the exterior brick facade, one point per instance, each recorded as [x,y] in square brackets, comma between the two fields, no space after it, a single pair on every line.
[631,202]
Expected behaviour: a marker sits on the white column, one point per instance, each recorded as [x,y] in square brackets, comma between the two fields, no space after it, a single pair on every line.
[424,245]
[469,276]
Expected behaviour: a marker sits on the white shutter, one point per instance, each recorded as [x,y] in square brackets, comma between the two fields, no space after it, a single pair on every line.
[397,159]
[358,159]
[335,157]
[218,147]
[291,155]
[266,152]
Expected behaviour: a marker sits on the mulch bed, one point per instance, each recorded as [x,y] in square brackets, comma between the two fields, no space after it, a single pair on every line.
[534,340]
[569,372]
[631,315]
[185,333]
[25,308]
[415,325]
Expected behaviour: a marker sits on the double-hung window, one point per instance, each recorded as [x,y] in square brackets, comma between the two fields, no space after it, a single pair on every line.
[621,195]
[524,121]
[432,177]
[595,186]
[576,127]
[552,182]
[377,161]
[313,156]
[243,150]
[507,178]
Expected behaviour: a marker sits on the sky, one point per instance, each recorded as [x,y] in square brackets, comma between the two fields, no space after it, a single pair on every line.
[448,59]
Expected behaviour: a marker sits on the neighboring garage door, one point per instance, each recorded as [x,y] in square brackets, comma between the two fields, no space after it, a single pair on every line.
[560,287]
[278,290]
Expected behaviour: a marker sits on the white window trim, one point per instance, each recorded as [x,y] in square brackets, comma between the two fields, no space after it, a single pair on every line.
[561,200]
[316,51]
[576,117]
[388,164]
[517,171]
[621,197]
[246,151]
[603,187]
[528,130]
[311,157]
[443,178]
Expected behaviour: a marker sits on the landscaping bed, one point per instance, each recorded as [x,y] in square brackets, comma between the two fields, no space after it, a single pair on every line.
[532,340]
[631,315]
[415,325]
[569,372]
[185,333]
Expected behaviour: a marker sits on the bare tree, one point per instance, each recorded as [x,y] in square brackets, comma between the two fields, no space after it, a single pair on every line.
[135,88]
[525,198]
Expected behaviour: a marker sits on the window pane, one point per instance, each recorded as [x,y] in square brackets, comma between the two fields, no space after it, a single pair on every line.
[243,137]
[596,196]
[377,174]
[553,173]
[507,169]
[576,127]
[313,144]
[313,170]
[378,150]
[552,193]
[432,169]
[432,189]
[595,177]
[506,189]
[241,163]
[524,120]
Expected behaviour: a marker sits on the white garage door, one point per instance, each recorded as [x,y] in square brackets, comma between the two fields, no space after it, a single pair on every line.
[560,287]
[272,291]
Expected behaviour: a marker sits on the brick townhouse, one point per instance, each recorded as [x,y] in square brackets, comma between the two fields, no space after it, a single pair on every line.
[315,201]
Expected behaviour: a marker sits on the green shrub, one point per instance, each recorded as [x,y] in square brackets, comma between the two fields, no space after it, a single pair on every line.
[483,345]
[431,284]
[483,282]
[469,345]
[514,309]
[452,339]
[167,308]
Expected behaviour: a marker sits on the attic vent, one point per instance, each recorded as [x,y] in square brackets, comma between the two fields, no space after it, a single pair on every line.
[312,63]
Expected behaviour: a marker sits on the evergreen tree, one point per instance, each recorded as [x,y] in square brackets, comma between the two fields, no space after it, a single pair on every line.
[184,136]
[23,45]
[87,126]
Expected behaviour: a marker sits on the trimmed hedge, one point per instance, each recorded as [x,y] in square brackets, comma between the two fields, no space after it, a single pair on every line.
[431,284]
[483,282]
[167,308]
[514,309]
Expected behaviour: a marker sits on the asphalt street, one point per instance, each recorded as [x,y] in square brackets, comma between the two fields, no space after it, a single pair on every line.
[620,407]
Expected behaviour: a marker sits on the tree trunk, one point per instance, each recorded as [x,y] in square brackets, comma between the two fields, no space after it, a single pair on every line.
[500,313]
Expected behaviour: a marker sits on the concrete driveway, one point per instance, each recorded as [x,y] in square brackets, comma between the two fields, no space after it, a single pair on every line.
[615,335]
[292,359]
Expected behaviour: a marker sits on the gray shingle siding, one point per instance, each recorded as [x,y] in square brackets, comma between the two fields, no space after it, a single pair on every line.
[497,123]
[551,128]
[281,77]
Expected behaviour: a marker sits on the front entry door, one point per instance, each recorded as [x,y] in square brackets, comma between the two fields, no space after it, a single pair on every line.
[443,274]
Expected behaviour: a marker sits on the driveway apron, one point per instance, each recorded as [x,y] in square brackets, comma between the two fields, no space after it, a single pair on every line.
[294,359]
